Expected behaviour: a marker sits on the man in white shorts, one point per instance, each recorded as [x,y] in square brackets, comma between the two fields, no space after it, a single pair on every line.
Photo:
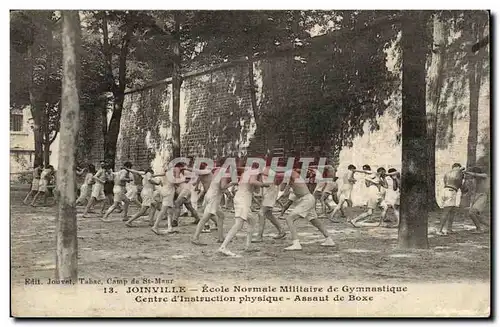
[97,193]
[242,202]
[220,182]
[331,188]
[37,170]
[345,191]
[133,190]
[479,198]
[184,191]
[45,176]
[170,179]
[120,179]
[304,208]
[291,197]
[374,182]
[453,181]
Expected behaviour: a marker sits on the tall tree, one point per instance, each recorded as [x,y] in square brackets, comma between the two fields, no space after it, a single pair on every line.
[119,31]
[414,195]
[66,227]
[35,73]
[435,85]
[176,86]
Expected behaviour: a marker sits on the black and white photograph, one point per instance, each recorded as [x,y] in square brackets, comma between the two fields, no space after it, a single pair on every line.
[250,163]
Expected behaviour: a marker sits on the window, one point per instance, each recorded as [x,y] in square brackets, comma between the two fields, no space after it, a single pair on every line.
[16,122]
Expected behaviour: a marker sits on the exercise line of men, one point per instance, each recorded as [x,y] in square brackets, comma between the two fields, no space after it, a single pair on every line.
[168,194]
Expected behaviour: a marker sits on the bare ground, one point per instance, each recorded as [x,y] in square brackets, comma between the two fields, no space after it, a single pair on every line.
[112,250]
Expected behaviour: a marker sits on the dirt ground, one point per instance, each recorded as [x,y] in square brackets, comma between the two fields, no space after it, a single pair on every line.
[112,250]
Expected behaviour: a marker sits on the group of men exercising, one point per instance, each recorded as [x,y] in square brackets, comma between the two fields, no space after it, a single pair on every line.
[162,196]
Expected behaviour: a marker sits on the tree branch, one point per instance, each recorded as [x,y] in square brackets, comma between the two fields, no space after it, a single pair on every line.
[122,70]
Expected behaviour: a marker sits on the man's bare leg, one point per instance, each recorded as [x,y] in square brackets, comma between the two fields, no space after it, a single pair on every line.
[137,215]
[475,219]
[177,210]
[89,205]
[324,198]
[126,204]
[448,211]
[266,213]
[201,224]
[383,215]
[238,223]
[396,213]
[220,226]
[30,193]
[37,195]
[262,225]
[290,220]
[362,216]
[338,208]
[152,214]
[165,211]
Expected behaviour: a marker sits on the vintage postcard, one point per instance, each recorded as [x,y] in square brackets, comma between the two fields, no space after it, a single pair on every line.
[250,163]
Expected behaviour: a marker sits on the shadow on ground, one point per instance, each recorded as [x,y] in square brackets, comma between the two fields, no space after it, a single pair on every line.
[113,250]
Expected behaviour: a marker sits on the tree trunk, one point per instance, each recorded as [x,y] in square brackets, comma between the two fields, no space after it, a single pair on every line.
[475,67]
[35,110]
[113,129]
[66,230]
[176,89]
[46,153]
[436,79]
[414,197]
[46,120]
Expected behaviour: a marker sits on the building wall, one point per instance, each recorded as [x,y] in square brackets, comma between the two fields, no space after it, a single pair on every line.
[217,120]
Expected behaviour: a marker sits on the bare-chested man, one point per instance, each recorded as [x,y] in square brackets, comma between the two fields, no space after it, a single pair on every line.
[331,188]
[479,198]
[290,199]
[120,179]
[147,195]
[220,182]
[345,191]
[35,182]
[374,182]
[86,187]
[184,191]
[204,176]
[170,179]
[318,190]
[133,190]
[97,194]
[304,208]
[453,181]
[242,209]
[270,195]
[393,194]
